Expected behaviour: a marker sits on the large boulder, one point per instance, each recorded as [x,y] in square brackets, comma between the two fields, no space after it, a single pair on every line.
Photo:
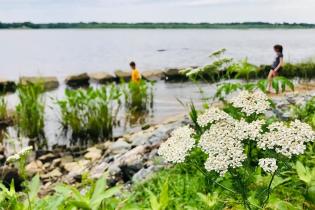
[101,77]
[7,86]
[122,75]
[78,80]
[173,74]
[154,75]
[49,83]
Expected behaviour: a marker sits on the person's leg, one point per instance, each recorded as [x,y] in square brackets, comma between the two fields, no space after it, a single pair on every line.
[270,76]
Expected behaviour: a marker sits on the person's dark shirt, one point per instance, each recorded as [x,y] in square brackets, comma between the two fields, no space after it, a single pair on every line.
[277,61]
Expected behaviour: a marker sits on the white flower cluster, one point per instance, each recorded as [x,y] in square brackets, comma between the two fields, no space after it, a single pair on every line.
[17,156]
[251,102]
[176,148]
[251,131]
[287,140]
[269,165]
[223,147]
[212,115]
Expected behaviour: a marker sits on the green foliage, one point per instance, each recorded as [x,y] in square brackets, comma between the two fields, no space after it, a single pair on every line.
[90,113]
[30,111]
[242,69]
[305,113]
[210,72]
[3,108]
[160,202]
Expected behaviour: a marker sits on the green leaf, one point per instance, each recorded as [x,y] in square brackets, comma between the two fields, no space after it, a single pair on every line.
[304,173]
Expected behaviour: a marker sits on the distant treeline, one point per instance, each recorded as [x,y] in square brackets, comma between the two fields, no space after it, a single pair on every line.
[245,25]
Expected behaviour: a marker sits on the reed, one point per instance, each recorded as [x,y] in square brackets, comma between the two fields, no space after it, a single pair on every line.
[3,108]
[30,111]
[138,99]
[90,113]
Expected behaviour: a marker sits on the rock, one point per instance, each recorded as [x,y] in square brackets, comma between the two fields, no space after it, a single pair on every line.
[8,175]
[76,167]
[7,86]
[122,75]
[153,75]
[99,170]
[93,154]
[101,77]
[127,171]
[119,146]
[53,174]
[161,133]
[143,174]
[66,159]
[34,167]
[2,149]
[50,83]
[113,169]
[140,138]
[132,157]
[56,162]
[47,158]
[78,80]
[174,74]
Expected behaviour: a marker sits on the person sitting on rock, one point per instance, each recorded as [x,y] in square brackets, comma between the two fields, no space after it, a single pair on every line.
[135,74]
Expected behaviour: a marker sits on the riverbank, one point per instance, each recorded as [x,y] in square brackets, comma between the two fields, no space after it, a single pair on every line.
[132,157]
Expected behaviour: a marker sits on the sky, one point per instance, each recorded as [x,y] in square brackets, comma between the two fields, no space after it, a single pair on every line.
[213,11]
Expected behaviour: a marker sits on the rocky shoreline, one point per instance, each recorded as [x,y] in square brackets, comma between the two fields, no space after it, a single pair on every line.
[85,79]
[131,158]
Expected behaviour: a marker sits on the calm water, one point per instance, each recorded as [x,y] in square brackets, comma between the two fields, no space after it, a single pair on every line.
[62,52]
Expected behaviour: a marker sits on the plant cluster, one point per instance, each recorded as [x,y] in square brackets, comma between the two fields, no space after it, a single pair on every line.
[3,108]
[305,112]
[90,113]
[238,142]
[30,111]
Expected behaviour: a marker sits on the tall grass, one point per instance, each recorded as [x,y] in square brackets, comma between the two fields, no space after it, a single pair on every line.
[138,96]
[3,108]
[30,111]
[90,113]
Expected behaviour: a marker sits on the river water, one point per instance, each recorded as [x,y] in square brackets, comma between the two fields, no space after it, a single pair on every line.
[66,51]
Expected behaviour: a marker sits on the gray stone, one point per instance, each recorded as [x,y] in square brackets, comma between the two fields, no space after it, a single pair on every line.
[153,75]
[78,80]
[93,154]
[143,174]
[119,146]
[123,75]
[49,83]
[99,170]
[101,77]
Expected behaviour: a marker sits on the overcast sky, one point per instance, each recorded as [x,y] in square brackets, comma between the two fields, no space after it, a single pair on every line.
[157,10]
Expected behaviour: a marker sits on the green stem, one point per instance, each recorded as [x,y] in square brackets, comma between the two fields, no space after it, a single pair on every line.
[269,190]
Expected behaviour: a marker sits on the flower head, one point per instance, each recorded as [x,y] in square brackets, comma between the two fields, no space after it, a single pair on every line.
[212,115]
[176,148]
[25,151]
[269,165]
[251,102]
[285,139]
[223,146]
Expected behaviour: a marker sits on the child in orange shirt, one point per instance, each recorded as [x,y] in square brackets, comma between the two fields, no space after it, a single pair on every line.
[135,74]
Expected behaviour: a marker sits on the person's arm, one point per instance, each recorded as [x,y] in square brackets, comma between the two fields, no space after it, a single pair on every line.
[280,64]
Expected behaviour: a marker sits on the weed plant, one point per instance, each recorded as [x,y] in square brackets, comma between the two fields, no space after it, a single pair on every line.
[90,113]
[305,113]
[3,108]
[30,112]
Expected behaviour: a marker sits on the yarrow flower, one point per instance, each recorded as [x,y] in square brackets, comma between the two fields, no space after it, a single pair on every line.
[251,131]
[251,102]
[176,148]
[223,147]
[269,165]
[212,115]
[285,139]
[19,155]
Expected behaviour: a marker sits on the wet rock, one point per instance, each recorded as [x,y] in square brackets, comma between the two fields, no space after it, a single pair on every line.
[34,167]
[9,175]
[126,76]
[154,75]
[79,80]
[7,86]
[173,74]
[101,77]
[50,83]
[119,146]
[93,154]
[53,174]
